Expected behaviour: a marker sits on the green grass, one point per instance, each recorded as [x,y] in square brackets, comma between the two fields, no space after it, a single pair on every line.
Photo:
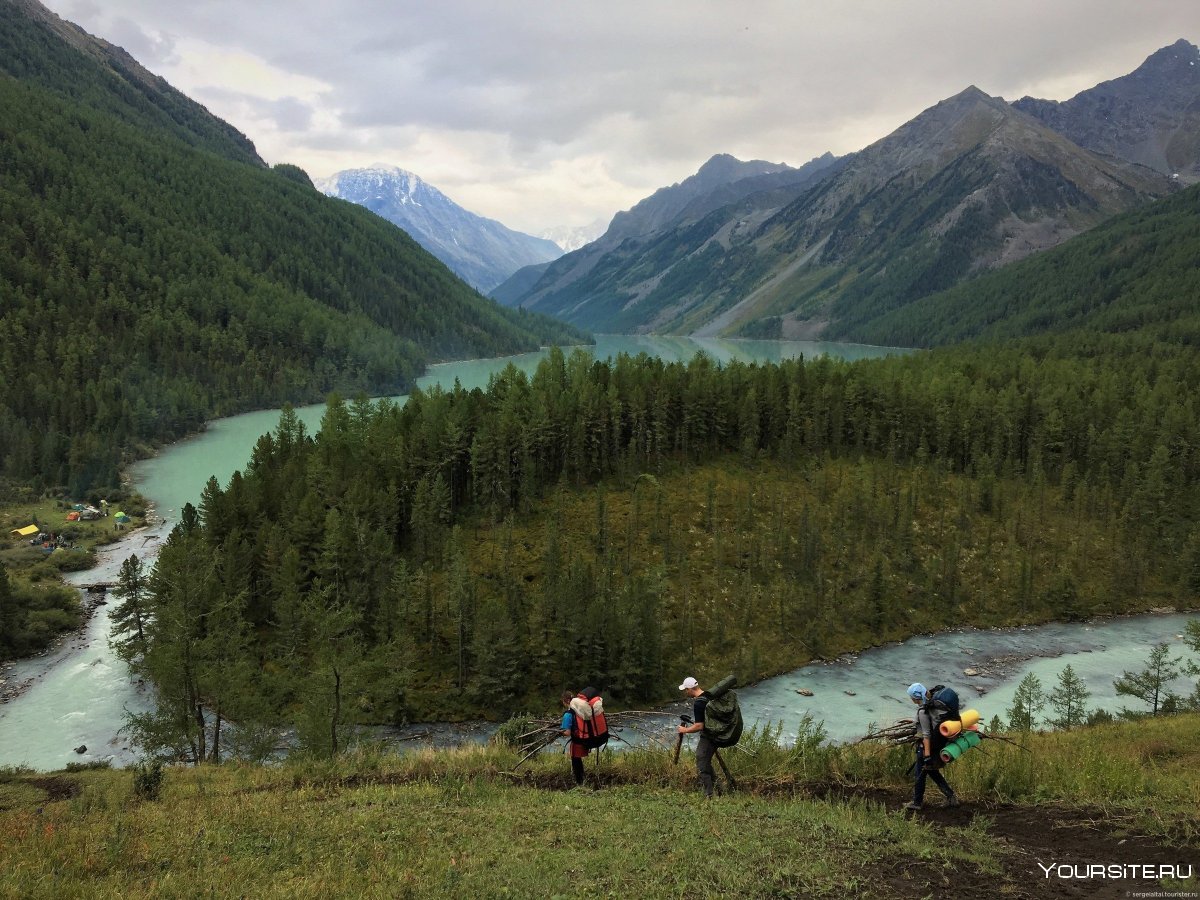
[45,606]
[461,823]
[51,515]
[451,836]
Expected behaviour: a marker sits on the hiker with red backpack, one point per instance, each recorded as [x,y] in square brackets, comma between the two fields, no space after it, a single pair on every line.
[937,705]
[584,726]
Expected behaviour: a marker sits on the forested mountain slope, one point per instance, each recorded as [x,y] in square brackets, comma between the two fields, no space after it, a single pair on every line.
[153,273]
[39,48]
[1137,272]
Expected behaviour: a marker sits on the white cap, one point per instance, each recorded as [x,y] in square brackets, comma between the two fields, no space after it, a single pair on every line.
[689,683]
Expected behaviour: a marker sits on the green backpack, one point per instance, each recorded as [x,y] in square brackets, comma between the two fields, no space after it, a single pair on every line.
[723,715]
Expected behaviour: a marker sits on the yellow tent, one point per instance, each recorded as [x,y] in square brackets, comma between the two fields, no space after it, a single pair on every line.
[26,531]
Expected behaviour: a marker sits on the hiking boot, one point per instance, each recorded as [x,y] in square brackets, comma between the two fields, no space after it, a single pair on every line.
[951,800]
[913,805]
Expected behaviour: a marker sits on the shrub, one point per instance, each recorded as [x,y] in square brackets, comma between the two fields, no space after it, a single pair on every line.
[148,779]
[509,734]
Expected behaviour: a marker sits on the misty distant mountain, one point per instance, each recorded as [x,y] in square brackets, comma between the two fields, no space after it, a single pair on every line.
[1150,116]
[667,206]
[518,285]
[573,237]
[482,252]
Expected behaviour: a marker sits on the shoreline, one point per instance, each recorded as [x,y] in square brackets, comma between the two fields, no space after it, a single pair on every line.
[17,676]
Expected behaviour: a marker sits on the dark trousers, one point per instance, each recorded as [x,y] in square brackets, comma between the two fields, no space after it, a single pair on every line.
[933,774]
[705,749]
[577,769]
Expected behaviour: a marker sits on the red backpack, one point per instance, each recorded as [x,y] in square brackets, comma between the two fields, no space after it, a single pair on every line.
[589,728]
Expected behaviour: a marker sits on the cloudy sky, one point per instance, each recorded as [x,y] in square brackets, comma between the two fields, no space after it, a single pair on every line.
[544,114]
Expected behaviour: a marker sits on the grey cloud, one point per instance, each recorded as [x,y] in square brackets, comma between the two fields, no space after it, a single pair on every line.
[150,51]
[654,86]
[287,114]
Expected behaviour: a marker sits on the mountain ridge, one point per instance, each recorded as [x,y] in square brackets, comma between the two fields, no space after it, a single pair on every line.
[111,76]
[686,202]
[1150,116]
[969,183]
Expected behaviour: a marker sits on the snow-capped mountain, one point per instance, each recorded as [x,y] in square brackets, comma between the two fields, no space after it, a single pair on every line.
[482,252]
[572,237]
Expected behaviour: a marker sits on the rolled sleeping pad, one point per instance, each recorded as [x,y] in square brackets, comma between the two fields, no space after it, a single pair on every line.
[951,728]
[961,745]
[968,720]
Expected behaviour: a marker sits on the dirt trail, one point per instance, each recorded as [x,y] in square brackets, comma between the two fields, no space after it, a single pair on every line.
[1034,837]
[1050,835]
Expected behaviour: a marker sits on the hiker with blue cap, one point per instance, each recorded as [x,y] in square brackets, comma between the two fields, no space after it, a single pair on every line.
[928,761]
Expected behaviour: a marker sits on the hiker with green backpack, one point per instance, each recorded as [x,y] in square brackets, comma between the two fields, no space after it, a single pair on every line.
[717,718]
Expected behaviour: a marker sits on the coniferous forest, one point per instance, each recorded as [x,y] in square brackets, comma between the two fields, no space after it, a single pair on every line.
[154,273]
[599,521]
[606,521]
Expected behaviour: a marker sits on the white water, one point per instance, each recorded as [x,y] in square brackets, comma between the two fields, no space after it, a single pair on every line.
[78,694]
[1097,651]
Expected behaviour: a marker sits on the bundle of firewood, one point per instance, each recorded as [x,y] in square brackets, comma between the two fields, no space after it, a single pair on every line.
[544,732]
[902,731]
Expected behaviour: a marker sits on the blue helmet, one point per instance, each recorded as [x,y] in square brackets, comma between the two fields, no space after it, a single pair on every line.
[916,690]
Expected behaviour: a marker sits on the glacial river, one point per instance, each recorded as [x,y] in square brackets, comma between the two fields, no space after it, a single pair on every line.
[78,694]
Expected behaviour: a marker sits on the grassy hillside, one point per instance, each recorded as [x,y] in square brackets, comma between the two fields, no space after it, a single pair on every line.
[808,821]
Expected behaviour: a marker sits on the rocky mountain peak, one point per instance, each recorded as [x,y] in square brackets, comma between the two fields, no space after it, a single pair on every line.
[1180,58]
[1150,116]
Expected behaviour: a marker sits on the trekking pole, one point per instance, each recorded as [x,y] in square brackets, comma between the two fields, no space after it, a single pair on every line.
[683,720]
[725,769]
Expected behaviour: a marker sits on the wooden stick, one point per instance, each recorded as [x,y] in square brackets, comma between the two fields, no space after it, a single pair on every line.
[725,769]
[997,737]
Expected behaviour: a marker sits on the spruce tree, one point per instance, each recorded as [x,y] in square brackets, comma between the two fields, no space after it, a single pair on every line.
[129,617]
[1028,703]
[1069,699]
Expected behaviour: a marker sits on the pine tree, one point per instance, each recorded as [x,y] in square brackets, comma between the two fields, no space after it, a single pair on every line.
[129,617]
[332,652]
[1069,699]
[1152,684]
[1028,703]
